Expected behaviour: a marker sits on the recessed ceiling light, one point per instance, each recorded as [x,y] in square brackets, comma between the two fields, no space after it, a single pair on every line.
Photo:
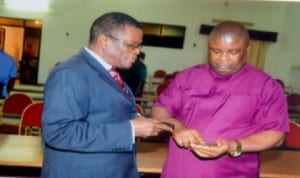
[27,5]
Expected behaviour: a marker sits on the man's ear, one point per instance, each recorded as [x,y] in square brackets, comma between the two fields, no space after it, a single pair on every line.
[102,40]
[248,48]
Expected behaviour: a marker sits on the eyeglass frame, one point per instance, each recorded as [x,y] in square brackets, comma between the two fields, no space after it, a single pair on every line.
[129,46]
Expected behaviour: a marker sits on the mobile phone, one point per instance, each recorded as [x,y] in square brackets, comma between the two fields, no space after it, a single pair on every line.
[168,124]
[209,143]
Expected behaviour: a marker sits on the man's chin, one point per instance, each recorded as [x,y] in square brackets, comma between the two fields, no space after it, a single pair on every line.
[127,66]
[226,72]
[223,72]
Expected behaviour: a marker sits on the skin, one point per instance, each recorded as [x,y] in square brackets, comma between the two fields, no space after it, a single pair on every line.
[227,50]
[227,54]
[121,51]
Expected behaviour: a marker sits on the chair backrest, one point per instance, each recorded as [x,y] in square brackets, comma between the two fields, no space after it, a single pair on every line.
[160,74]
[139,108]
[31,119]
[169,77]
[293,138]
[158,78]
[15,103]
[161,87]
[293,99]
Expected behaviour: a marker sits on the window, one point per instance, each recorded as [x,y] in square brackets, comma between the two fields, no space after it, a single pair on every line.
[161,35]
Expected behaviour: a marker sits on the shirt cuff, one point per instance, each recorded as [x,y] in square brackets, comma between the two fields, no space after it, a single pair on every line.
[132,131]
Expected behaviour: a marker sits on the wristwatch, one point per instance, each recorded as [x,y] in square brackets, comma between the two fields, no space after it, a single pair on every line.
[237,151]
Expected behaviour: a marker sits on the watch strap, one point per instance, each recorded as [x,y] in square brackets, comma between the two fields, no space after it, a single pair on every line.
[238,149]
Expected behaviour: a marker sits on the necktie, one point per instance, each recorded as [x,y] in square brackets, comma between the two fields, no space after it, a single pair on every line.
[115,74]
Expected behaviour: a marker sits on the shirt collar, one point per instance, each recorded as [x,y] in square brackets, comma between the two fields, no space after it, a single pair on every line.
[106,65]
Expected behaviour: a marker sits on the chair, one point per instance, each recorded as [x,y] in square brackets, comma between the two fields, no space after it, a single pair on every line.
[293,101]
[31,120]
[160,74]
[158,78]
[169,77]
[139,108]
[15,103]
[292,140]
[161,87]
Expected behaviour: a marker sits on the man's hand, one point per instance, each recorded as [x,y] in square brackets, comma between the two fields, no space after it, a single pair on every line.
[146,127]
[210,150]
[184,136]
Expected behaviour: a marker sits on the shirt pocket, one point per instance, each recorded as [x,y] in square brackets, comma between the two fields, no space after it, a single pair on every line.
[239,109]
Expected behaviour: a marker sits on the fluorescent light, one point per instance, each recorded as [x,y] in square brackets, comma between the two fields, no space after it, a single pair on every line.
[27,5]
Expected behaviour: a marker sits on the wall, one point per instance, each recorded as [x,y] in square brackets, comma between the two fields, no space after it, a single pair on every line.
[290,45]
[65,29]
[13,45]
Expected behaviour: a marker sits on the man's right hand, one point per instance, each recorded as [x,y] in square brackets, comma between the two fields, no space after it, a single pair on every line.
[146,127]
[184,136]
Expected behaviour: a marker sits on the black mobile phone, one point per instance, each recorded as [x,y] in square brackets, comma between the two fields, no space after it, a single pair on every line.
[209,143]
[168,124]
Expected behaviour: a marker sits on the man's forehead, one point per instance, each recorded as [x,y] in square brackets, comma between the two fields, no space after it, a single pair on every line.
[227,39]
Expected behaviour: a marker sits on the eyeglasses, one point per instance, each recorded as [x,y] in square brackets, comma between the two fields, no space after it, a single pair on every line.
[129,46]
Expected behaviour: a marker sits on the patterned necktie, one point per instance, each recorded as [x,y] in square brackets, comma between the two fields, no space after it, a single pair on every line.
[115,74]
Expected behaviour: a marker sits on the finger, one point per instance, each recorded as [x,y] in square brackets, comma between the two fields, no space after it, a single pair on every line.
[186,143]
[196,136]
[201,154]
[168,124]
[206,151]
[154,120]
[164,127]
[180,142]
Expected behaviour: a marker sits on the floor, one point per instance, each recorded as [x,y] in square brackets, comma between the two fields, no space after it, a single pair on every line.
[20,172]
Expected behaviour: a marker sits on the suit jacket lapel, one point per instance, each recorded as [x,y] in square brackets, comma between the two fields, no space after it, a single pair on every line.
[104,74]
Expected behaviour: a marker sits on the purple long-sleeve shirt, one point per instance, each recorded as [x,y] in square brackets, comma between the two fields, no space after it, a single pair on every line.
[222,107]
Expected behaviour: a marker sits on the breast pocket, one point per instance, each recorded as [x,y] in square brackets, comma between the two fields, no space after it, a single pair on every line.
[238,109]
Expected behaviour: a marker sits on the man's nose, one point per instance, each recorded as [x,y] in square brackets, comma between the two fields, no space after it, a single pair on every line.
[223,56]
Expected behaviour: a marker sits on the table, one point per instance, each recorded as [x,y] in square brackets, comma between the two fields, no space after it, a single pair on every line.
[17,150]
[274,163]
[151,156]
[280,164]
[26,151]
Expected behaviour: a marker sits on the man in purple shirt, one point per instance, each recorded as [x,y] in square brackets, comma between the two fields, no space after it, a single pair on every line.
[224,112]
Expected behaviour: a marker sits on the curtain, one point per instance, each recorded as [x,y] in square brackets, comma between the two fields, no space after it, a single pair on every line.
[257,53]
